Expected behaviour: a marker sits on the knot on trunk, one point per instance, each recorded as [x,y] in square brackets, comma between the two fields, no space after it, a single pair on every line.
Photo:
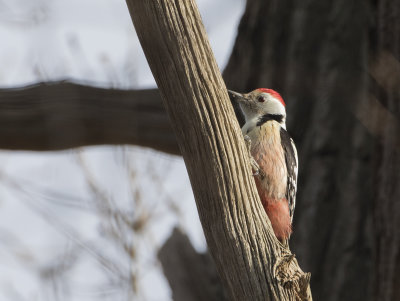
[291,277]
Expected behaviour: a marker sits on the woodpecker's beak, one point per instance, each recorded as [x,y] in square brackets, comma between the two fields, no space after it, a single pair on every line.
[237,96]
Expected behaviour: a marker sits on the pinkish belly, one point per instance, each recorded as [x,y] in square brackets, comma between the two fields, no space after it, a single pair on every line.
[278,213]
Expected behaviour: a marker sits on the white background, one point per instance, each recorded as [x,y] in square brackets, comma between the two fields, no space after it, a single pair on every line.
[54,233]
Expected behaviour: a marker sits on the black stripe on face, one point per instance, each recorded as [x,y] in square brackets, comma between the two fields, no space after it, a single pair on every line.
[267,117]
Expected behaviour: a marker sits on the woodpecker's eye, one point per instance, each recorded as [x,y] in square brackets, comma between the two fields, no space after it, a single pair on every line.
[261,98]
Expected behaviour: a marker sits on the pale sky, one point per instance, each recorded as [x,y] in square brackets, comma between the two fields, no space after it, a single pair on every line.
[46,203]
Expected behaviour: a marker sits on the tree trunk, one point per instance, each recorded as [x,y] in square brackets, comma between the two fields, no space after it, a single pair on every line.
[385,86]
[252,264]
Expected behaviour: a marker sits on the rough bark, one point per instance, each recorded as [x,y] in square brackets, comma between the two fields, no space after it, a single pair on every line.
[252,264]
[60,115]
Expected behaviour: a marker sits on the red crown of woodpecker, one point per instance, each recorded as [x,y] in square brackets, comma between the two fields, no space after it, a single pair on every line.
[273,93]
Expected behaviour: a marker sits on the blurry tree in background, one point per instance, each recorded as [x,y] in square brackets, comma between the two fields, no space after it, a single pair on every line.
[337,65]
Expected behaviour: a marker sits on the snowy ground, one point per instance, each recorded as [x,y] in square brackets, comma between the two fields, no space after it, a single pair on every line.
[59,210]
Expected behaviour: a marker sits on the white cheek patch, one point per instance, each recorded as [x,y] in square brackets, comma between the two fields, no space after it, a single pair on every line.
[253,111]
[273,106]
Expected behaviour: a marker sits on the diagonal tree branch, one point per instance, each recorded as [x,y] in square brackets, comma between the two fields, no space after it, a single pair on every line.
[191,275]
[252,264]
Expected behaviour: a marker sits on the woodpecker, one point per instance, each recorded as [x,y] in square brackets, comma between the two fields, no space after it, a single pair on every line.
[273,155]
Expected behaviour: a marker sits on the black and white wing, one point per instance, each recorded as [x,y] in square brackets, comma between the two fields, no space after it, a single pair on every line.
[292,167]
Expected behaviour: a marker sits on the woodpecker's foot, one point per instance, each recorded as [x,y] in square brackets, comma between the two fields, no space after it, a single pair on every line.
[258,172]
[253,162]
[247,140]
